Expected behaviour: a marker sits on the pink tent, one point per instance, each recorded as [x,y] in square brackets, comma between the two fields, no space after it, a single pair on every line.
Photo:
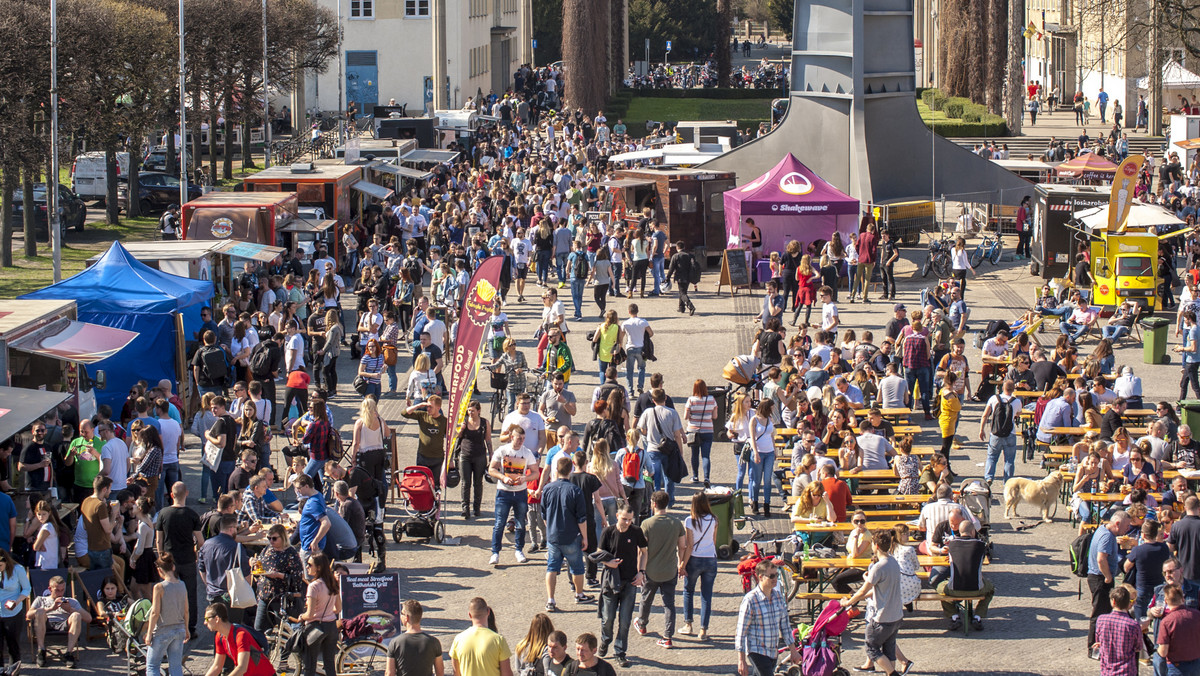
[789,202]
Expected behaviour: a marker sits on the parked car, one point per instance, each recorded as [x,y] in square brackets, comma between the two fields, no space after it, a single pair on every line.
[71,209]
[89,174]
[156,159]
[156,191]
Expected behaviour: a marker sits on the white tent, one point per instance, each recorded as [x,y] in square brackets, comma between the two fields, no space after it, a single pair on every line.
[1140,216]
[1174,76]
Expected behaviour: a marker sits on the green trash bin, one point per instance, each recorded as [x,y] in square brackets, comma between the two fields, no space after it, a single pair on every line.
[1155,335]
[726,507]
[1190,409]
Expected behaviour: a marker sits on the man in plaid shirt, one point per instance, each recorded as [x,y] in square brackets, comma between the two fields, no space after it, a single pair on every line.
[918,364]
[1118,637]
[763,624]
[253,506]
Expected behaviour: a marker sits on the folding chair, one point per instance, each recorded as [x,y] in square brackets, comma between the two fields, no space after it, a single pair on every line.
[39,582]
[85,586]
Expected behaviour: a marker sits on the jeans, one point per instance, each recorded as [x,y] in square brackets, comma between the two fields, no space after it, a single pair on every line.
[577,296]
[471,471]
[656,269]
[518,503]
[938,574]
[326,648]
[1189,374]
[1059,312]
[1114,333]
[760,665]
[761,473]
[216,389]
[167,642]
[373,389]
[700,452]
[614,289]
[704,570]
[667,591]
[543,265]
[560,264]
[171,474]
[617,606]
[100,560]
[743,467]
[656,461]
[1189,668]
[571,553]
[391,372]
[922,376]
[638,277]
[1075,331]
[603,367]
[889,280]
[634,355]
[221,477]
[996,446]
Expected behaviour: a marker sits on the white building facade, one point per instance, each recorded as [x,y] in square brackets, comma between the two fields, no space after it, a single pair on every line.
[387,53]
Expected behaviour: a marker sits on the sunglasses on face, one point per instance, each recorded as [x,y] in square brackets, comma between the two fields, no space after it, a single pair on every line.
[770,576]
[858,522]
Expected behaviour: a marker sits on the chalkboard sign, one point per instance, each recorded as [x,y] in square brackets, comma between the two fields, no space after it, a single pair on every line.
[733,270]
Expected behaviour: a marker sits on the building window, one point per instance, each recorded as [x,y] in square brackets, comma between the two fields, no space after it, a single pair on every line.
[510,6]
[416,8]
[480,58]
[478,8]
[362,9]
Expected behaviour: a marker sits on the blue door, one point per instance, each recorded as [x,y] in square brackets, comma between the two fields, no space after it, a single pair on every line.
[362,81]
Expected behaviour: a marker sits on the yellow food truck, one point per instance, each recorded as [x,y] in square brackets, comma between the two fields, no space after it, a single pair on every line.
[1125,264]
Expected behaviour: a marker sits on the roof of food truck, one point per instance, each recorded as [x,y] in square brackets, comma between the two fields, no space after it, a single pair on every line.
[240,199]
[17,314]
[322,172]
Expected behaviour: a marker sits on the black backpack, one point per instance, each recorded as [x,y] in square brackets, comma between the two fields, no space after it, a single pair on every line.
[1002,418]
[1080,548]
[581,265]
[260,360]
[216,365]
[693,271]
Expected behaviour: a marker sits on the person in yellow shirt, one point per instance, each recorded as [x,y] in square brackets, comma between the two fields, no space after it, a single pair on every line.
[948,416]
[479,651]
[813,505]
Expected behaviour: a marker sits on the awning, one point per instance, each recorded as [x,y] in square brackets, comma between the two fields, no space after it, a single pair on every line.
[398,170]
[302,225]
[626,182]
[1140,216]
[1190,144]
[262,253]
[373,190]
[23,406]
[75,341]
[635,155]
[430,155]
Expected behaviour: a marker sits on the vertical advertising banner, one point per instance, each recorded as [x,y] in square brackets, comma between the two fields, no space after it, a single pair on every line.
[1121,200]
[372,602]
[473,319]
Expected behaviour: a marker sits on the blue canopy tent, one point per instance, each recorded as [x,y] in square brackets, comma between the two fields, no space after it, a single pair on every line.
[124,293]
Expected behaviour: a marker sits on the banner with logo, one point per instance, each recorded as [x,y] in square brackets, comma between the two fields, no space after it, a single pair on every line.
[374,601]
[473,319]
[1121,199]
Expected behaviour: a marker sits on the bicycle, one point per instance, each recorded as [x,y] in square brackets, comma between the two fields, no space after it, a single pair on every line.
[990,248]
[793,564]
[938,259]
[364,657]
[499,401]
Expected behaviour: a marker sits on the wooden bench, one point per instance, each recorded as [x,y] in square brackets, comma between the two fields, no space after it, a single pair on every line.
[964,604]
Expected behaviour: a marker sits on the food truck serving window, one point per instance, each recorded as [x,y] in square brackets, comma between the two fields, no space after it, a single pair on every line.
[1134,266]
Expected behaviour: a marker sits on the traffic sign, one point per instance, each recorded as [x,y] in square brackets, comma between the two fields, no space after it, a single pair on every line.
[534,44]
[668,45]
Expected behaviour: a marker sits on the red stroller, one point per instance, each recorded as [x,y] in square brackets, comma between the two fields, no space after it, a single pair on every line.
[422,502]
[822,650]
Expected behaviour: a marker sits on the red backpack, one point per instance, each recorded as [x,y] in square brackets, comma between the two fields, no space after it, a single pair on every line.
[631,466]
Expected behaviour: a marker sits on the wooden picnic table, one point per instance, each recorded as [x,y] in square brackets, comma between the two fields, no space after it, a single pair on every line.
[900,430]
[1080,431]
[802,526]
[843,562]
[891,500]
[868,474]
[887,412]
[1104,498]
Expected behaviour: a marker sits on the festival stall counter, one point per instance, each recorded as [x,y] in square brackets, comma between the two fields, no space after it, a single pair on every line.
[687,201]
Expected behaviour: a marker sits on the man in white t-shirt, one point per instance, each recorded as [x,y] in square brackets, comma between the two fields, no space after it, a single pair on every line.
[993,352]
[293,348]
[369,323]
[436,329]
[657,424]
[1001,434]
[636,331]
[172,439]
[512,466]
[530,421]
[114,457]
[829,311]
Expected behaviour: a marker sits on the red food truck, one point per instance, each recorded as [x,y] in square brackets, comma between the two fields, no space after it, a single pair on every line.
[246,216]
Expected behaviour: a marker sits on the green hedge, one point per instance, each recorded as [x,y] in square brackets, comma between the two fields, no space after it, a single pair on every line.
[939,100]
[703,93]
[994,126]
[927,97]
[955,106]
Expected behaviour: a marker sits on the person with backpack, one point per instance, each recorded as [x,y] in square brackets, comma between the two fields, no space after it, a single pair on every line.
[266,359]
[211,366]
[1102,557]
[231,640]
[1000,421]
[684,269]
[579,268]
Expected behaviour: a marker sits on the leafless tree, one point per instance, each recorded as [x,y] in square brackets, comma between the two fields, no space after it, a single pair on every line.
[586,47]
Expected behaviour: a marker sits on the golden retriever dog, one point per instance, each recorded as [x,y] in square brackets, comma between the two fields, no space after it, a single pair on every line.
[1042,493]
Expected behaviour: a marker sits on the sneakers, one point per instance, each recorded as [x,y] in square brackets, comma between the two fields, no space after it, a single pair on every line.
[603,652]
[640,627]
[584,598]
[70,659]
[521,558]
[41,657]
[593,582]
[687,629]
[977,624]
[551,607]
[494,560]
[623,662]
[703,635]
[956,623]
[664,643]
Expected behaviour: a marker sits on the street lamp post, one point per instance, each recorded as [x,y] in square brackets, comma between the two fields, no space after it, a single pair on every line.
[53,219]
[266,97]
[183,146]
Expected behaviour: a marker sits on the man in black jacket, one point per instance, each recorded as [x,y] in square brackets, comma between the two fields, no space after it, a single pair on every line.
[1112,418]
[273,360]
[680,270]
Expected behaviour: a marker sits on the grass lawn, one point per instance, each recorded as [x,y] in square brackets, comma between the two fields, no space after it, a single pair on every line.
[746,112]
[928,116]
[31,274]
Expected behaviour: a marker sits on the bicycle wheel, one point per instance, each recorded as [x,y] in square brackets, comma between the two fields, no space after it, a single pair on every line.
[941,266]
[994,258]
[787,578]
[362,658]
[977,256]
[497,407]
[277,636]
[926,266]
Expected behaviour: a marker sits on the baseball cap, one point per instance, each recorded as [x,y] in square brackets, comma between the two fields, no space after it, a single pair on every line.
[899,307]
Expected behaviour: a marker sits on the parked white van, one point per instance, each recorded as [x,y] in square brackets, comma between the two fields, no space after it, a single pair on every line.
[89,175]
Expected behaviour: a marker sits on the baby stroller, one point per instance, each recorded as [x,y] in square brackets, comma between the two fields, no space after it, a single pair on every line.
[742,372]
[975,495]
[422,503]
[821,650]
[125,633]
